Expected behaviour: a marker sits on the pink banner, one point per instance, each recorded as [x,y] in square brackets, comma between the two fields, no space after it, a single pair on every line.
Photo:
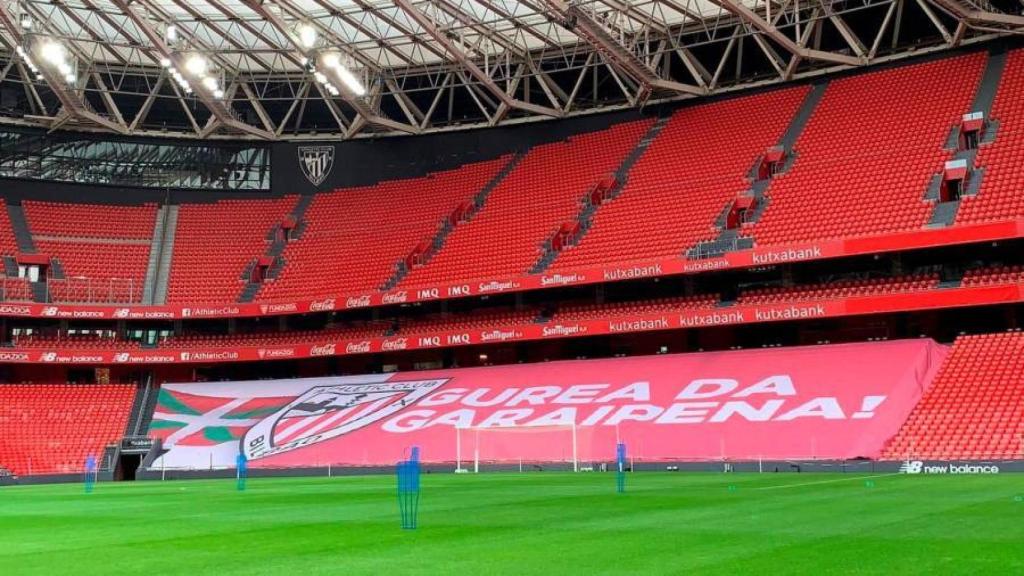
[821,402]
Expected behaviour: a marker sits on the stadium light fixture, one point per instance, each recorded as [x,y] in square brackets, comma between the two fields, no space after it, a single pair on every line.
[53,53]
[25,21]
[218,94]
[332,60]
[165,62]
[171,35]
[351,81]
[210,83]
[307,35]
[196,65]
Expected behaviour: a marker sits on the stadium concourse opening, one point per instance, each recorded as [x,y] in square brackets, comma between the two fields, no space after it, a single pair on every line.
[280,263]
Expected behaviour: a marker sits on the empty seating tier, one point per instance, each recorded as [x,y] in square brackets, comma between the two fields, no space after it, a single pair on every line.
[215,242]
[543,192]
[994,275]
[1001,195]
[53,428]
[102,249]
[840,289]
[975,407]
[866,157]
[675,192]
[355,237]
[90,220]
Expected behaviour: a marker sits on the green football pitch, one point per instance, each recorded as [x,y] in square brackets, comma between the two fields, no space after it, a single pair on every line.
[535,523]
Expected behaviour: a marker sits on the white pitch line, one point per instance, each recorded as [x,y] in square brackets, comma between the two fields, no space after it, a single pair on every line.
[834,480]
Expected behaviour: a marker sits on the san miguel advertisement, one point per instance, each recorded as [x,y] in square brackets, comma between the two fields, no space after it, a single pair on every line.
[770,255]
[826,402]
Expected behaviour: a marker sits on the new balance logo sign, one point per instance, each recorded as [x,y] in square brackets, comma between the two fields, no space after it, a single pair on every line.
[918,467]
[911,467]
[316,162]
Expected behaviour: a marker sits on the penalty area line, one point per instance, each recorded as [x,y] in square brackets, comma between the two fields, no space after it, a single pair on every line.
[832,481]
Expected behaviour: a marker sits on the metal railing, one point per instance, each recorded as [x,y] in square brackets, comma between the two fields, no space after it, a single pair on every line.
[94,290]
[14,289]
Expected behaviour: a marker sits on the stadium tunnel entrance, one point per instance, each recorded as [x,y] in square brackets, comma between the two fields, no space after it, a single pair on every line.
[127,467]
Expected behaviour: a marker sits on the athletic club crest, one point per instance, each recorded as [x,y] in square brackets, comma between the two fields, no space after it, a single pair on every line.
[316,162]
[326,412]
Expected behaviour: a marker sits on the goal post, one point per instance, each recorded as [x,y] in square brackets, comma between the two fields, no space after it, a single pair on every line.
[518,447]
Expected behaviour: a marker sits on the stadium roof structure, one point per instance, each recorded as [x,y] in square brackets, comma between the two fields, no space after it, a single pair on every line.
[301,69]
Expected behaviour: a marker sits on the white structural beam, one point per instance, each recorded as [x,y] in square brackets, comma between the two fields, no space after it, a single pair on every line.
[470,67]
[743,12]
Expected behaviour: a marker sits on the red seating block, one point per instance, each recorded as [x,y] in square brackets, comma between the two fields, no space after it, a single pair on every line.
[52,428]
[866,156]
[975,407]
[355,237]
[214,243]
[1000,196]
[680,185]
[504,239]
[103,249]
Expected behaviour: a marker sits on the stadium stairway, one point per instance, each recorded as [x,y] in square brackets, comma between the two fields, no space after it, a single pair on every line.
[402,267]
[19,225]
[26,245]
[278,237]
[161,251]
[590,203]
[729,238]
[944,213]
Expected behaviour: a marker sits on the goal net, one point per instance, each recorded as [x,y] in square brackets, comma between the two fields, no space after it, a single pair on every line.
[521,448]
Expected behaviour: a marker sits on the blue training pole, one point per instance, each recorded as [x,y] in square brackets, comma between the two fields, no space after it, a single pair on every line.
[241,471]
[620,467]
[90,473]
[408,476]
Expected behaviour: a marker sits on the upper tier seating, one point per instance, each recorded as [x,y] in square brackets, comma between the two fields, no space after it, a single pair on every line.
[90,220]
[97,272]
[865,159]
[861,166]
[103,249]
[975,407]
[540,194]
[1002,186]
[355,237]
[53,428]
[215,242]
[697,165]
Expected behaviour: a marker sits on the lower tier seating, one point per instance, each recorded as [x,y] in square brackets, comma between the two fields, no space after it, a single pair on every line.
[653,306]
[994,275]
[975,407]
[840,289]
[53,428]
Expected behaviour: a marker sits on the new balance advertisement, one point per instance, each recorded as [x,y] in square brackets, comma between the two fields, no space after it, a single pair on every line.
[823,402]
